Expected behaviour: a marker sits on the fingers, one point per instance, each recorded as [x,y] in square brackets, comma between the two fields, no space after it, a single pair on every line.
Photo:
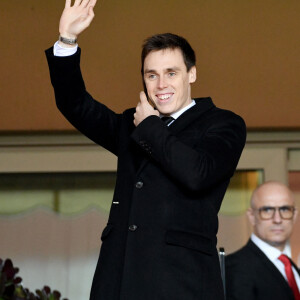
[77,2]
[89,17]
[143,110]
[68,3]
[134,119]
[93,2]
[138,107]
[90,3]
[84,3]
[144,99]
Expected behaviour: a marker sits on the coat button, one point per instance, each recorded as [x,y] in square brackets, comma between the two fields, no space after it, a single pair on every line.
[132,227]
[139,184]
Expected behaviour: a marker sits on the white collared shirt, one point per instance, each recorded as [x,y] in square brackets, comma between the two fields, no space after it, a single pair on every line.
[273,253]
[180,112]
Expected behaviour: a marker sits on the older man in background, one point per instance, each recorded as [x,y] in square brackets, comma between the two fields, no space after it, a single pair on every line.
[262,269]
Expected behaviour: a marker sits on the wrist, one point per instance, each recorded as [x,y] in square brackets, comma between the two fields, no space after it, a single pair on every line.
[67,42]
[67,34]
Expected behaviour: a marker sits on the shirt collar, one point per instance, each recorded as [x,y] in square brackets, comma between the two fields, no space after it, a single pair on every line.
[271,252]
[180,112]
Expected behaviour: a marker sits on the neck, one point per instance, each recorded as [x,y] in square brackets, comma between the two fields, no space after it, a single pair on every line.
[277,245]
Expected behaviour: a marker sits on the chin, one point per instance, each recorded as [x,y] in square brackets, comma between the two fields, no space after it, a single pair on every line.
[164,110]
[278,241]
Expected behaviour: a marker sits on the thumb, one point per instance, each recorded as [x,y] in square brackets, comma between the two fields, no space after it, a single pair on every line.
[143,97]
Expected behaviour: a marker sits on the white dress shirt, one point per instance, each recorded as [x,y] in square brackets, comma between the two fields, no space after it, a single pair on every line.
[273,253]
[59,50]
[180,112]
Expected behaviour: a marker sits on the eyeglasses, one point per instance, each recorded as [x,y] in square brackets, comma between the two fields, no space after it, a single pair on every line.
[267,212]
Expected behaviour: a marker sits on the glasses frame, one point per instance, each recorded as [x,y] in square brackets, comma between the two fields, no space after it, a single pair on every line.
[275,208]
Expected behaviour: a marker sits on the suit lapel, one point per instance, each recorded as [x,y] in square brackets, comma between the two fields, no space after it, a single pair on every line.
[296,267]
[202,106]
[270,267]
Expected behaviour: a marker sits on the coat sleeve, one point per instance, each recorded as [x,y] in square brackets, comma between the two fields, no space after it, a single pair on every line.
[210,157]
[90,117]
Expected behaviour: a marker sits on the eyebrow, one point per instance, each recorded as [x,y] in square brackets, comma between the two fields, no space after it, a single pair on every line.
[168,70]
[282,206]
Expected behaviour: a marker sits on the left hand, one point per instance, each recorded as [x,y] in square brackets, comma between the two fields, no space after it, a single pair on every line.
[143,110]
[76,18]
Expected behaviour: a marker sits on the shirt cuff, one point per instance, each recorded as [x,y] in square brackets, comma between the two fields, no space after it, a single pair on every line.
[58,50]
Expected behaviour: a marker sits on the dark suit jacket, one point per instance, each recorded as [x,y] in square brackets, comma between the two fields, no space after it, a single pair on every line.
[250,275]
[160,240]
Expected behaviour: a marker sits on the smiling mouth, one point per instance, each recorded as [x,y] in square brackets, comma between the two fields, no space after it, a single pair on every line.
[163,97]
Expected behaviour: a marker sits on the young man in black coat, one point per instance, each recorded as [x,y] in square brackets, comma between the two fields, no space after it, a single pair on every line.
[160,240]
[257,271]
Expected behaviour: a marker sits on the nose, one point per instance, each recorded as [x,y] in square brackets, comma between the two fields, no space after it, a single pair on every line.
[277,217]
[161,83]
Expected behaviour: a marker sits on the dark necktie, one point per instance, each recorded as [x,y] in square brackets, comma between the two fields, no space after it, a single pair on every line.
[290,275]
[167,120]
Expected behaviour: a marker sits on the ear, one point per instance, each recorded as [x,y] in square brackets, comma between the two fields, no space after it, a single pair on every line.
[192,74]
[295,215]
[250,215]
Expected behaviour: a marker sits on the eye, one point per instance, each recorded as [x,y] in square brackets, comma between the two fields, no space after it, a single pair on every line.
[172,74]
[267,209]
[285,208]
[151,76]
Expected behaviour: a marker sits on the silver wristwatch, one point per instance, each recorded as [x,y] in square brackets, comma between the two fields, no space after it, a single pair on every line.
[67,41]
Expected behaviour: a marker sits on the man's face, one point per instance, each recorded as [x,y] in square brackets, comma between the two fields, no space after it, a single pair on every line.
[275,231]
[167,81]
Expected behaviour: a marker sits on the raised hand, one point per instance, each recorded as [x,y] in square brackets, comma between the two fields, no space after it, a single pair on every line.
[143,110]
[76,18]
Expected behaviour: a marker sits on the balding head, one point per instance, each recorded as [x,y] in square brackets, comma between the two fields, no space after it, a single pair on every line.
[276,229]
[271,190]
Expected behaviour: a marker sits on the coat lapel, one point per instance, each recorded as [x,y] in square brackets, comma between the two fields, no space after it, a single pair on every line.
[270,266]
[189,116]
[296,267]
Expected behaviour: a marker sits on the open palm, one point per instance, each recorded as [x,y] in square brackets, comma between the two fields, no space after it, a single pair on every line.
[76,18]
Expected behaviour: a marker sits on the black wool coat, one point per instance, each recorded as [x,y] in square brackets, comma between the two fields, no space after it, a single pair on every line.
[250,275]
[160,240]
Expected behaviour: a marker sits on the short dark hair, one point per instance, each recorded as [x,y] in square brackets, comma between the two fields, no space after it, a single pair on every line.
[169,41]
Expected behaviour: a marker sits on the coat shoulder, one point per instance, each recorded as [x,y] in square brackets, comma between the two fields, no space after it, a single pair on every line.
[225,114]
[242,258]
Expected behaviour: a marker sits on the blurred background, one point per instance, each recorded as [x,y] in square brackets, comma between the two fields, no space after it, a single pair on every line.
[56,186]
